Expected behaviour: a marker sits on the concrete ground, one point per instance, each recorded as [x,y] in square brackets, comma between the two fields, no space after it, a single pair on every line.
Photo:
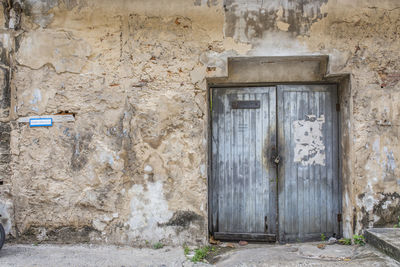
[304,254]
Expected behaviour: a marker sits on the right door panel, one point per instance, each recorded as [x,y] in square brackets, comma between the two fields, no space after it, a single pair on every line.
[308,186]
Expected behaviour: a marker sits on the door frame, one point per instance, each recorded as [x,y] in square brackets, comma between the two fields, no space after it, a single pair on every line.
[210,87]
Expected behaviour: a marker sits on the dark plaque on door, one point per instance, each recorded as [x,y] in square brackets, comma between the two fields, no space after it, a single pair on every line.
[246,104]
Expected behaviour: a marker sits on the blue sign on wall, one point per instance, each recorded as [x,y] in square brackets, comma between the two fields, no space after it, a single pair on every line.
[37,122]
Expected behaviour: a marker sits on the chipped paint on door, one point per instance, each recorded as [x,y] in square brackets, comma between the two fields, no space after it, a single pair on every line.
[308,177]
[309,146]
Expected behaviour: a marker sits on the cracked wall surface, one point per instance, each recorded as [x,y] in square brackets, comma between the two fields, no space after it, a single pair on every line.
[132,166]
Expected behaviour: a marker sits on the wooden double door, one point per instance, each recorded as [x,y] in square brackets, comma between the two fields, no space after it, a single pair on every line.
[274,163]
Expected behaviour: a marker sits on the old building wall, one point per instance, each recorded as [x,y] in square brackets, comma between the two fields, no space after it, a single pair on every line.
[132,166]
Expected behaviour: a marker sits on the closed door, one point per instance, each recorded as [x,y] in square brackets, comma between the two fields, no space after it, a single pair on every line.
[274,163]
[244,122]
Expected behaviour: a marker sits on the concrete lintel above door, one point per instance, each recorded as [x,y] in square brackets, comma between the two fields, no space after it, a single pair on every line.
[291,69]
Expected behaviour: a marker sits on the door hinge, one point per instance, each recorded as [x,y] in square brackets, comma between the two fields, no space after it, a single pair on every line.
[338,107]
[339,217]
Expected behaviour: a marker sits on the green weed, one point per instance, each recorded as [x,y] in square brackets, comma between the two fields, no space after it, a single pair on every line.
[359,240]
[397,225]
[158,245]
[345,241]
[186,250]
[323,237]
[201,253]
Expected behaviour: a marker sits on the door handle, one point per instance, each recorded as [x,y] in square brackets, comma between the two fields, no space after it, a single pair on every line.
[277,159]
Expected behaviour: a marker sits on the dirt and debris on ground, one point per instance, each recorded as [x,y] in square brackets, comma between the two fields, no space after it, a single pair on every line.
[304,254]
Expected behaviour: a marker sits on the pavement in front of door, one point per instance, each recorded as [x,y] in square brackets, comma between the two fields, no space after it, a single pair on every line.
[299,254]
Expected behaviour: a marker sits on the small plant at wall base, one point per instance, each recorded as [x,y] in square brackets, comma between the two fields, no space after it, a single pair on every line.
[345,241]
[397,225]
[158,245]
[201,253]
[323,237]
[186,250]
[359,240]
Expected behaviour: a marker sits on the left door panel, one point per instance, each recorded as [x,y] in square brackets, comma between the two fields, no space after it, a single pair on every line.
[243,182]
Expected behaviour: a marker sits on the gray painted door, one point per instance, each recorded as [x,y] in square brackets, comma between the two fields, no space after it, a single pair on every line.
[309,194]
[244,182]
[245,199]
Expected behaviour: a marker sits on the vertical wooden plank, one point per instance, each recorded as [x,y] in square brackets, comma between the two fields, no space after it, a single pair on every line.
[307,202]
[225,155]
[319,171]
[329,161]
[241,169]
[323,181]
[259,197]
[246,178]
[221,163]
[230,185]
[292,190]
[252,166]
[284,119]
[235,180]
[265,175]
[299,223]
[270,177]
[220,107]
[314,217]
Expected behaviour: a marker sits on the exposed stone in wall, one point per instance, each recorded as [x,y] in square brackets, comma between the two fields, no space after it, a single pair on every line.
[12,14]
[248,20]
[5,92]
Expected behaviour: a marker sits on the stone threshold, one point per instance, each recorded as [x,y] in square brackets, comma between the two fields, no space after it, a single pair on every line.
[386,240]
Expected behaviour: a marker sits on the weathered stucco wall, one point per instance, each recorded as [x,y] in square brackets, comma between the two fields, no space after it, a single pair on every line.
[132,167]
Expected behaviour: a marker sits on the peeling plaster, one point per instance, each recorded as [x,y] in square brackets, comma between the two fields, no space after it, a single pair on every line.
[251,19]
[309,145]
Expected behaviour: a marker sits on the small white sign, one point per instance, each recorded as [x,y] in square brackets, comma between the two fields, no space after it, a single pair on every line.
[38,122]
[56,118]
